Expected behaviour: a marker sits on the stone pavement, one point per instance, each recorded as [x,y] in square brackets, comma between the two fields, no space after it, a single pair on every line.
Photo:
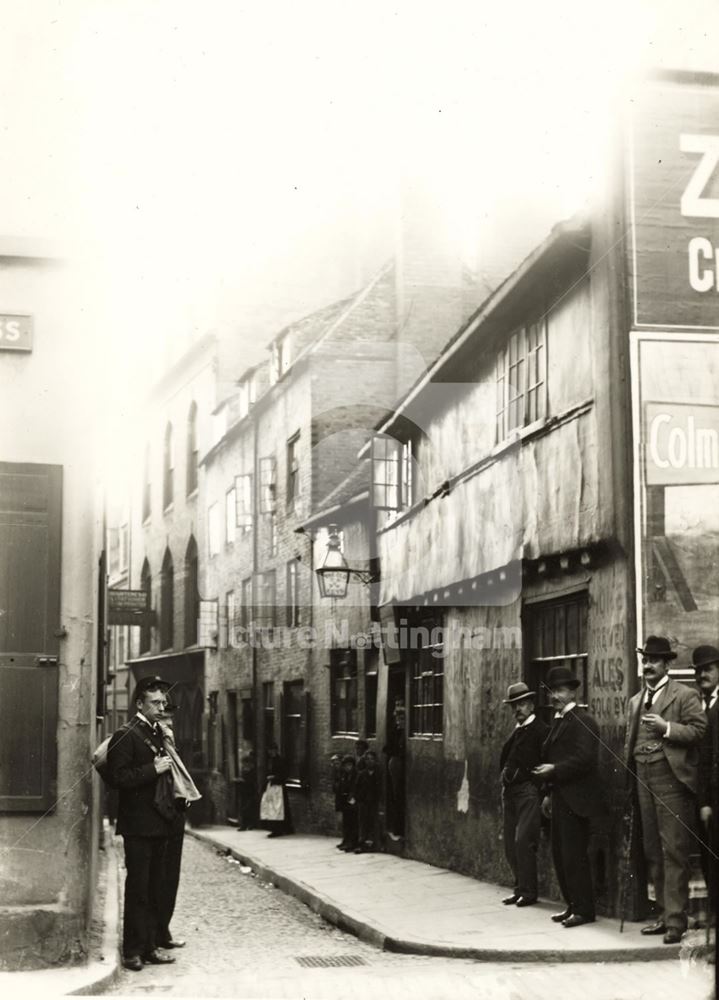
[407,906]
[103,963]
[246,939]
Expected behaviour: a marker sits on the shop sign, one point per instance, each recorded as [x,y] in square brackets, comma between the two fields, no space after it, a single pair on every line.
[674,204]
[15,332]
[681,444]
[127,607]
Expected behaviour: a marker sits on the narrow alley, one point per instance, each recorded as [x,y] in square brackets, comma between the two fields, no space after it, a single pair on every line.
[247,939]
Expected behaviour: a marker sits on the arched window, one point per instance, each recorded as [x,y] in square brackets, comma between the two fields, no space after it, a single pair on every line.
[192,594]
[192,449]
[145,628]
[168,468]
[146,495]
[167,601]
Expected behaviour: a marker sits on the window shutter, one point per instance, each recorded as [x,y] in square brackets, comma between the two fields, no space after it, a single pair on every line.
[28,763]
[386,454]
[268,484]
[307,748]
[243,501]
[30,535]
[406,475]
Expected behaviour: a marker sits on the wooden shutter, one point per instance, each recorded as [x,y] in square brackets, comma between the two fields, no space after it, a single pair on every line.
[30,535]
[243,501]
[268,484]
[307,756]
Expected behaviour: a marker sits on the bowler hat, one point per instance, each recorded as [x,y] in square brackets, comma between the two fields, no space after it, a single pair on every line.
[518,692]
[704,656]
[561,677]
[657,646]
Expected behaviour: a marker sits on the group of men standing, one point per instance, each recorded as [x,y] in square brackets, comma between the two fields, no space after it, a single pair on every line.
[142,763]
[671,755]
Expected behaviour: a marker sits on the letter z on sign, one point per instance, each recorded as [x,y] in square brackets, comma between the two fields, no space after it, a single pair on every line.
[693,203]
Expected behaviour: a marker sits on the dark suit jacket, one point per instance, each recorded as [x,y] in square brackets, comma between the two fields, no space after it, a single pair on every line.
[681,707]
[132,769]
[573,747]
[523,751]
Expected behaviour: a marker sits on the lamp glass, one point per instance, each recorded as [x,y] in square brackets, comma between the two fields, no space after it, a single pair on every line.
[333,582]
[333,575]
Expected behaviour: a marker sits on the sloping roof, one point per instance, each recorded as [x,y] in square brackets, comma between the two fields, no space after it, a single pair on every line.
[561,239]
[309,328]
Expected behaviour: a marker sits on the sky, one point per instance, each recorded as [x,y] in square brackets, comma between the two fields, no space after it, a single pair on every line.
[237,165]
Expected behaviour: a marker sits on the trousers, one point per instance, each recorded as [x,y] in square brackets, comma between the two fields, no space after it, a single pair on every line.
[349,825]
[667,809]
[570,843]
[171,880]
[522,824]
[145,865]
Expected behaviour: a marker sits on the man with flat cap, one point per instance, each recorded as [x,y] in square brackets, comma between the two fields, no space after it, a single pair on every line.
[136,758]
[665,726]
[705,660]
[571,755]
[521,798]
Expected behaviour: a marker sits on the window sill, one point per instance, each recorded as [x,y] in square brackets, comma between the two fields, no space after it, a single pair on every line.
[345,736]
[427,737]
[169,509]
[519,435]
[193,494]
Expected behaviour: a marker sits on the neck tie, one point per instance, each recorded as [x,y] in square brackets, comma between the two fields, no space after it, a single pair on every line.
[707,702]
[650,695]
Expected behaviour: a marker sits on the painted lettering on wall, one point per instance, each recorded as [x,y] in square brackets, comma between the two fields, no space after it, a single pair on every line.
[607,668]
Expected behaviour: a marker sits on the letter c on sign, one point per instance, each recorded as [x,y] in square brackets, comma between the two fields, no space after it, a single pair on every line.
[701,280]
[661,418]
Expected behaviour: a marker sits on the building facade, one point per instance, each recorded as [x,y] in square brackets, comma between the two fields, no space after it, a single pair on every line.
[51,596]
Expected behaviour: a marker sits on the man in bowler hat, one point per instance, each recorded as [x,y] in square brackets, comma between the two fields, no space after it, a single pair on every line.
[705,660]
[521,753]
[571,755]
[665,726]
[136,757]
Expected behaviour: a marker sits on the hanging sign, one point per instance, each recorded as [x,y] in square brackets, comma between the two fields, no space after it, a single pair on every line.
[15,332]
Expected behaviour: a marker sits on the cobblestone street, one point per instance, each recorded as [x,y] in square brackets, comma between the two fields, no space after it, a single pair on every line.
[248,939]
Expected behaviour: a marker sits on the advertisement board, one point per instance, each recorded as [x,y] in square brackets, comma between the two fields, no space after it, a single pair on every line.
[674,204]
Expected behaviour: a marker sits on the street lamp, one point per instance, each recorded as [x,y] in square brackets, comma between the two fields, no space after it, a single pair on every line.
[333,575]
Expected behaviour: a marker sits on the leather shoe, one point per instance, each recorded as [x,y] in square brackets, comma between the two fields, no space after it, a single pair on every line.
[576,920]
[157,958]
[657,927]
[134,962]
[173,943]
[527,901]
[672,936]
[559,917]
[511,900]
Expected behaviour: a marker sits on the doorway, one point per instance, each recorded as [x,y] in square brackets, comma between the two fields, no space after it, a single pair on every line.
[395,751]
